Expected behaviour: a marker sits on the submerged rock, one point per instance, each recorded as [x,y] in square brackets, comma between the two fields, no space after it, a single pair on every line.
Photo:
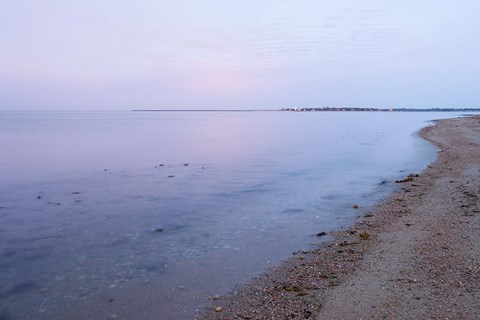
[408,179]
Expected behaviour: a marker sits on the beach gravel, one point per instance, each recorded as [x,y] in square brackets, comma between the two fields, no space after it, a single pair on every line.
[416,255]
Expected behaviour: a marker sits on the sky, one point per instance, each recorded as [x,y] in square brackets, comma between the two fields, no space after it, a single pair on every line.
[244,54]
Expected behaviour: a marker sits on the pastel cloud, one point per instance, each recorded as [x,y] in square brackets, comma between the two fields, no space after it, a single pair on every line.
[77,54]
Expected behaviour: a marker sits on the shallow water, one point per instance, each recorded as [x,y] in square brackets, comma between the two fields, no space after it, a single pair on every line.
[160,210]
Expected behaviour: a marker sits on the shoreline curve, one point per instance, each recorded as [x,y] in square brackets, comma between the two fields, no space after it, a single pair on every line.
[416,255]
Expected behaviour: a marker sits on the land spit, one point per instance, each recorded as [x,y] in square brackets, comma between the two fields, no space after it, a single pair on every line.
[416,255]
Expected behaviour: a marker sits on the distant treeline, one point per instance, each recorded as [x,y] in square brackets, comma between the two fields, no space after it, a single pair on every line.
[383,109]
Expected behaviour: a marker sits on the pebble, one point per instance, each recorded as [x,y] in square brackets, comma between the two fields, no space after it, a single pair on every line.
[218,309]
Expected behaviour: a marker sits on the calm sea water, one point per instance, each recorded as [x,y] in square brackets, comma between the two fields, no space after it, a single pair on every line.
[145,215]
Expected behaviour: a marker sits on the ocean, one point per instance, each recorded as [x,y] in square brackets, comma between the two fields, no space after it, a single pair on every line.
[114,214]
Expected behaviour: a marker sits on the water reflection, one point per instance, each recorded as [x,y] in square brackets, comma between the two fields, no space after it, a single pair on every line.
[103,204]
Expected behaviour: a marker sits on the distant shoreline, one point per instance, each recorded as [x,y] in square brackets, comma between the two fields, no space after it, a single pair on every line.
[326,109]
[354,109]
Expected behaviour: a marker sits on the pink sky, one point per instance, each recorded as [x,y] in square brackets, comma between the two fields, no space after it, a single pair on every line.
[121,55]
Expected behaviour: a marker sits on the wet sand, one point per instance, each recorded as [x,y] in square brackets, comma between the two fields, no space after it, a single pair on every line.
[414,256]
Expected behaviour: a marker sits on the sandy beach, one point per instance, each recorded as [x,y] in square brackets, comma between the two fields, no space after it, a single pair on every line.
[416,255]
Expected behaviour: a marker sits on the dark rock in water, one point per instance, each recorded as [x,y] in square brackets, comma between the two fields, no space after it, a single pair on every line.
[383,182]
[155,267]
[321,234]
[39,197]
[355,206]
[171,176]
[408,179]
[105,170]
[76,192]
[23,287]
[185,164]
[293,210]
[152,267]
[157,229]
[177,227]
[54,203]
[8,253]
[161,165]
[35,257]
[118,242]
